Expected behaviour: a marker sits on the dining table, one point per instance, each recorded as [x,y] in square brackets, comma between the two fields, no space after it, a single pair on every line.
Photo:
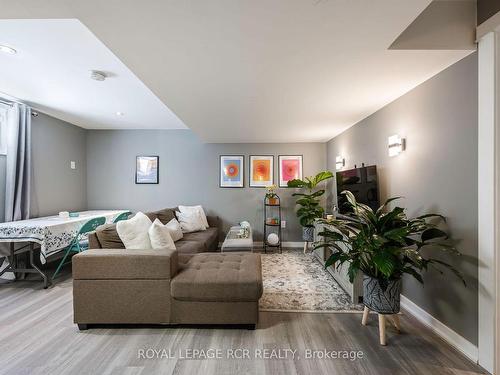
[52,233]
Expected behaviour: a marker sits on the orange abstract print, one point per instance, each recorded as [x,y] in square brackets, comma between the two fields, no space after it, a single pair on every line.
[261,170]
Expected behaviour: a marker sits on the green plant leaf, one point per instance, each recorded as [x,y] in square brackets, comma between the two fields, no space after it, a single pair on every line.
[385,262]
[321,176]
[334,258]
[398,234]
[317,194]
[296,183]
[350,197]
[381,208]
[353,270]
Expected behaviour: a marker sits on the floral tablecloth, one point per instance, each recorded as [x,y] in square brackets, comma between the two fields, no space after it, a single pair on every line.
[52,232]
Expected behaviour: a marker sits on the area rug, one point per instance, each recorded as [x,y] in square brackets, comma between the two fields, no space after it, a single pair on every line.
[294,281]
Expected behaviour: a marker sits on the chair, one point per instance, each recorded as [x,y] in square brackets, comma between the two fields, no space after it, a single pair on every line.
[79,244]
[122,216]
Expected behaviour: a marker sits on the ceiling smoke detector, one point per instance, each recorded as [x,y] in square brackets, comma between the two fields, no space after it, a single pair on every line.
[97,75]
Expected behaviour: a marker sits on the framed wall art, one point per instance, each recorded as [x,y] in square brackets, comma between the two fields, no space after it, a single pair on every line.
[146,169]
[290,167]
[261,170]
[231,169]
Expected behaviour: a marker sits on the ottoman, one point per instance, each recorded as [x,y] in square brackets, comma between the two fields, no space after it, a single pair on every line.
[218,289]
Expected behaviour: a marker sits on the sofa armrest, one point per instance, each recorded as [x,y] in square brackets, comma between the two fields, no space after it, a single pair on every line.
[213,221]
[122,264]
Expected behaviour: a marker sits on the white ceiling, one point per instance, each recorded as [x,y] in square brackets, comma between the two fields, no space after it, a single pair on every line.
[252,71]
[51,71]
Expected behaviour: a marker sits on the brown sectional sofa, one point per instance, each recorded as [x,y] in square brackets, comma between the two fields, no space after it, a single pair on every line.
[184,286]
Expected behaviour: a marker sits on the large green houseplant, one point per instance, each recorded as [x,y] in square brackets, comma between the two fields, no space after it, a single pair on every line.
[309,202]
[384,245]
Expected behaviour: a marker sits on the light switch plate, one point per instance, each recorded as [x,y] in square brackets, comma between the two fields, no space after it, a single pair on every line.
[283,223]
[72,164]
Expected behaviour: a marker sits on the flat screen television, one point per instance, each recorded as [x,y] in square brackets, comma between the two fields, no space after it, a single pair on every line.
[363,183]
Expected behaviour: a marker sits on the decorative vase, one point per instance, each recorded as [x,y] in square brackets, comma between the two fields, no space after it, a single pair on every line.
[379,300]
[308,234]
[272,201]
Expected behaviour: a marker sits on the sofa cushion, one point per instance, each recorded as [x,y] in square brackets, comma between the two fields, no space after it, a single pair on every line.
[175,229]
[209,277]
[190,221]
[134,232]
[164,215]
[189,247]
[160,236]
[208,239]
[108,237]
[199,210]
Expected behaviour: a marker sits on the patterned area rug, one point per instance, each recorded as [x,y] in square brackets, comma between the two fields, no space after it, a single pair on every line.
[294,281]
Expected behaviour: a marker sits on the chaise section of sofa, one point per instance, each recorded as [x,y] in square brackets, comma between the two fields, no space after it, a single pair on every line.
[118,286]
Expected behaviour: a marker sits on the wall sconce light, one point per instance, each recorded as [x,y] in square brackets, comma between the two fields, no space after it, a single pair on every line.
[396,145]
[339,162]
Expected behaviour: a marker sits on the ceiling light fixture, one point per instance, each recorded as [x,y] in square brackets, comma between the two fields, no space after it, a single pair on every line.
[97,75]
[7,49]
[119,113]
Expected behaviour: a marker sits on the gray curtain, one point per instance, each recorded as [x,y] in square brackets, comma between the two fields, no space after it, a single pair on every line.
[18,163]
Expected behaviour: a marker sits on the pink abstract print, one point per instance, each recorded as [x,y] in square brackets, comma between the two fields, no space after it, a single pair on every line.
[290,169]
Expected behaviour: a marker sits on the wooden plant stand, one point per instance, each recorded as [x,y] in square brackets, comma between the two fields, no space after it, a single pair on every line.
[381,323]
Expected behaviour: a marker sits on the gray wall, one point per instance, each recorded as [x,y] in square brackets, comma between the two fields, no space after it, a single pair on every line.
[436,173]
[56,186]
[189,174]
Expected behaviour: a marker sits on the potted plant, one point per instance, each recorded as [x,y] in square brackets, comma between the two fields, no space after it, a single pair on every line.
[384,246]
[309,202]
[271,196]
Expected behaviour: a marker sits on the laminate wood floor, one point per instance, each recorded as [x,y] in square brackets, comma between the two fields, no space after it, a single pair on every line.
[37,336]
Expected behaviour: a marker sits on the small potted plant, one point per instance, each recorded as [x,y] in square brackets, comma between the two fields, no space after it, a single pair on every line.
[310,209]
[384,246]
[271,196]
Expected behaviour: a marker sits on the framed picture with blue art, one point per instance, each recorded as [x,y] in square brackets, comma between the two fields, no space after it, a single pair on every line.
[231,169]
[146,169]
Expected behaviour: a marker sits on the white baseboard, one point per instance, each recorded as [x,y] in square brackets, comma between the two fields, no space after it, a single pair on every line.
[450,336]
[290,244]
[284,244]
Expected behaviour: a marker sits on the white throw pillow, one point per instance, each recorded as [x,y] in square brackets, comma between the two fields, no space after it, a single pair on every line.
[134,232]
[160,237]
[175,229]
[199,209]
[190,222]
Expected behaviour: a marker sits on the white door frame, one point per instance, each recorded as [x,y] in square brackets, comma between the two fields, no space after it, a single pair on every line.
[488,200]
